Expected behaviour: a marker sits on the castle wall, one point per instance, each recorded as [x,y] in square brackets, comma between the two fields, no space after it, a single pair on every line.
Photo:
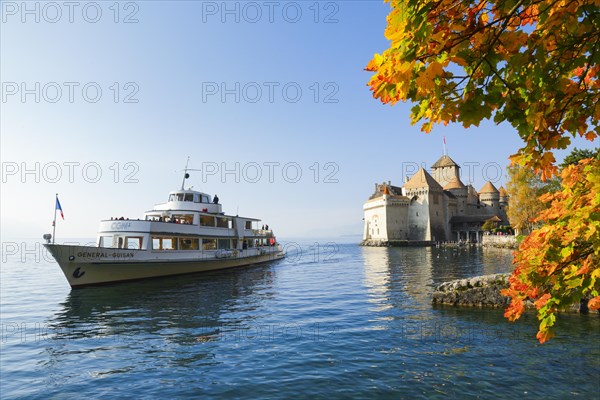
[438,206]
[397,222]
[375,221]
[418,218]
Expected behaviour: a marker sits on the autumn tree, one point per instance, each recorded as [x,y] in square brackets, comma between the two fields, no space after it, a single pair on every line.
[558,264]
[524,188]
[489,225]
[577,155]
[553,184]
[533,64]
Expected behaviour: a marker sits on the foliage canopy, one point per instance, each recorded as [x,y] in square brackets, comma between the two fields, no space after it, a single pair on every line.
[531,63]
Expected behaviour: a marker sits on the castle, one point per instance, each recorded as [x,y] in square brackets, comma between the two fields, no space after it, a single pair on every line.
[430,208]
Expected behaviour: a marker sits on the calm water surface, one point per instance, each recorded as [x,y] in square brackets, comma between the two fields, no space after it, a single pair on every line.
[328,322]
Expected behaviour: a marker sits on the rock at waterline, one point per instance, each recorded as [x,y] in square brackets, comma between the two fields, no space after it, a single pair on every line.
[479,291]
[484,291]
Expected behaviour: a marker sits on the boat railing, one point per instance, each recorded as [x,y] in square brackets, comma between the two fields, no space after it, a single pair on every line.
[262,232]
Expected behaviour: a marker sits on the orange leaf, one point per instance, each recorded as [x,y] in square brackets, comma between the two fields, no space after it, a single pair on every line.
[594,304]
[541,302]
[590,136]
[544,336]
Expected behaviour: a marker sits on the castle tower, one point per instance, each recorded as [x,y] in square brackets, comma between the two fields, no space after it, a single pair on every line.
[503,197]
[489,195]
[445,171]
[386,214]
[427,220]
[460,191]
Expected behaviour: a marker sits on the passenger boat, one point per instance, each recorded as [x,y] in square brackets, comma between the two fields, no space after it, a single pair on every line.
[189,233]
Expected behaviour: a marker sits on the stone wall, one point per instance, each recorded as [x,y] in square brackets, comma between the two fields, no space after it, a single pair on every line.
[395,243]
[504,241]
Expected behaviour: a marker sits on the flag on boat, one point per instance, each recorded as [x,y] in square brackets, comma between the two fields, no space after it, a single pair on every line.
[59,208]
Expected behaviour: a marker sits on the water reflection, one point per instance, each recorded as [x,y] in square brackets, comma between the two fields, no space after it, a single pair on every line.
[176,314]
[400,280]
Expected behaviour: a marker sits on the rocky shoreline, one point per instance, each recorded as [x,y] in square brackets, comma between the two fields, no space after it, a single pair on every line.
[482,291]
[479,291]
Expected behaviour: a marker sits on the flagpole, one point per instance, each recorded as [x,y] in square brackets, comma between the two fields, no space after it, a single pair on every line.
[54,222]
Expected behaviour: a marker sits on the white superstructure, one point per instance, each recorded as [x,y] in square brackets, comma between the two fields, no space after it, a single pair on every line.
[188,233]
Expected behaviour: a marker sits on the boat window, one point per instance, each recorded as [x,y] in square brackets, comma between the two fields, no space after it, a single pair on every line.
[179,196]
[224,244]
[106,241]
[209,244]
[169,244]
[205,199]
[171,197]
[183,218]
[133,242]
[223,223]
[188,244]
[248,224]
[206,220]
[197,198]
[189,197]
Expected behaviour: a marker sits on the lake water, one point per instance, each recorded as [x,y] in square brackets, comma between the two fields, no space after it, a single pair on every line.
[330,321]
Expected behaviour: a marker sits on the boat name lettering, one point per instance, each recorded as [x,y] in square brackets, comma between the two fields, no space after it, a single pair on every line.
[117,226]
[102,254]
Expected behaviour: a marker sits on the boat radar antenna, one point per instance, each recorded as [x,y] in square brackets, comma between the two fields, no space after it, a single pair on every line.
[185,172]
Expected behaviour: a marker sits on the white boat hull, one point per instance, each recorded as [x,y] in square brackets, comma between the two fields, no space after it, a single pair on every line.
[88,265]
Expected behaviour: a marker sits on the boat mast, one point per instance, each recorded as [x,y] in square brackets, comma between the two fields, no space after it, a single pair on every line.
[185,174]
[54,221]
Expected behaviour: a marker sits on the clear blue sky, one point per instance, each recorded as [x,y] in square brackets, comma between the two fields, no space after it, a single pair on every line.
[175,61]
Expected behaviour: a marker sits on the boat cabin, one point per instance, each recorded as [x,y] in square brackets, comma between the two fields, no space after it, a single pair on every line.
[188,221]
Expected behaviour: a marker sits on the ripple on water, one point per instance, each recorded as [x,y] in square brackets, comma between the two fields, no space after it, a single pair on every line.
[357,325]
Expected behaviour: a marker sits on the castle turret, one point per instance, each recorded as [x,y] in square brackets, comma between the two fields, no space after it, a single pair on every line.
[460,191]
[445,171]
[503,197]
[489,195]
